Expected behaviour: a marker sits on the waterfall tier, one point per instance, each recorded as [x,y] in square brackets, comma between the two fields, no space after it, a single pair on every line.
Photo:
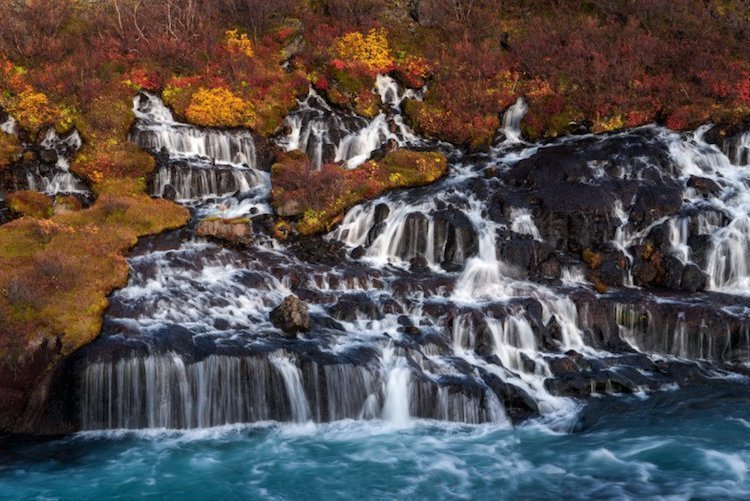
[529,278]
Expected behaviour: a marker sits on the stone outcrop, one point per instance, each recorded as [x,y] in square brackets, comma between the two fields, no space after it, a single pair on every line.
[236,232]
[291,316]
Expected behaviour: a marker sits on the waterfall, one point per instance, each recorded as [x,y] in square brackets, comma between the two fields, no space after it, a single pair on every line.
[396,408]
[191,183]
[165,391]
[294,390]
[434,305]
[392,94]
[738,149]
[511,126]
[65,146]
[679,234]
[329,135]
[201,164]
[728,263]
[523,223]
[157,131]
[408,231]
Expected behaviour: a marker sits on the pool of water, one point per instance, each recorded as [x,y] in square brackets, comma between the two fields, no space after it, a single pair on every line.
[684,443]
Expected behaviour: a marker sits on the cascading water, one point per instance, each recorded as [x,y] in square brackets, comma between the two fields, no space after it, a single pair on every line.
[466,301]
[201,164]
[511,126]
[329,135]
[51,176]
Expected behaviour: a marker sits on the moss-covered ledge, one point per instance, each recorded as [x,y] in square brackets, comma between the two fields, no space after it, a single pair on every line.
[55,278]
[310,201]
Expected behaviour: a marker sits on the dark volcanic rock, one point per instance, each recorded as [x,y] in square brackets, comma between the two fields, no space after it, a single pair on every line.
[610,273]
[573,187]
[693,279]
[673,269]
[706,187]
[169,192]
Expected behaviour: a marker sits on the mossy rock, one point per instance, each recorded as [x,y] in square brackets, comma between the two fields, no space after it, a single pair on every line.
[299,198]
[30,203]
[10,149]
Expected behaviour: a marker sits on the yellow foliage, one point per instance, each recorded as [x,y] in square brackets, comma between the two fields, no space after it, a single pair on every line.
[33,110]
[372,50]
[609,124]
[219,107]
[239,43]
[396,178]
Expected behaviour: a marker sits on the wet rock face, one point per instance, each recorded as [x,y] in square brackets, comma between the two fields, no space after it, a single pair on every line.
[572,188]
[236,232]
[291,316]
[734,141]
[455,236]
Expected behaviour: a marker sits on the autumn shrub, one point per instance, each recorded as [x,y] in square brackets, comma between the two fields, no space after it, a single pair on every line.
[33,111]
[141,78]
[317,199]
[412,71]
[348,76]
[219,107]
[66,203]
[30,203]
[238,43]
[371,50]
[178,92]
[10,149]
[472,84]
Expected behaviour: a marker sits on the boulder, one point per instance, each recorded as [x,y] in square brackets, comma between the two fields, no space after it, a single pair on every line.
[610,273]
[673,269]
[351,307]
[237,232]
[419,264]
[693,278]
[291,316]
[48,156]
[358,252]
[551,268]
[644,273]
[169,192]
[706,187]
[455,237]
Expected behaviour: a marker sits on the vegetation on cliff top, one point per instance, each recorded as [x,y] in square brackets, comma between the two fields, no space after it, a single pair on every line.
[604,64]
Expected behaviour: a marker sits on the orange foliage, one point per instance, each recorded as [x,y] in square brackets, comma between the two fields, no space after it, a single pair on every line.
[239,43]
[319,198]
